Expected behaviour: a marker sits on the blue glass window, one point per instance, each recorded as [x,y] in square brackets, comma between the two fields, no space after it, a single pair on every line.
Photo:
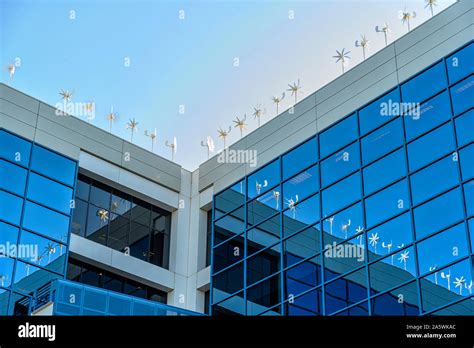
[229,225]
[264,235]
[431,146]
[231,198]
[304,276]
[471,232]
[263,264]
[467,162]
[438,213]
[344,257]
[346,291]
[383,140]
[47,222]
[46,251]
[402,301]
[469,195]
[8,235]
[340,164]
[302,213]
[263,207]
[434,179]
[385,171]
[446,285]
[49,193]
[465,128]
[301,157]
[431,113]
[393,270]
[6,271]
[338,135]
[53,165]
[14,148]
[264,179]
[442,248]
[341,194]
[344,224]
[10,207]
[309,303]
[390,236]
[302,245]
[462,95]
[425,85]
[380,111]
[228,282]
[26,273]
[264,295]
[460,64]
[302,185]
[387,203]
[12,178]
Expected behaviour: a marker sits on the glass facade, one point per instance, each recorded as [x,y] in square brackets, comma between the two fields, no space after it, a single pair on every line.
[36,201]
[121,222]
[372,216]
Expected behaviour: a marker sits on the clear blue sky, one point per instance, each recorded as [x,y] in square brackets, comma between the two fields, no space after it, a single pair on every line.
[186,62]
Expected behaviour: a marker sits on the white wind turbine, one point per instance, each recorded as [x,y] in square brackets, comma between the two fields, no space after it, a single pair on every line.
[385,30]
[364,43]
[173,146]
[152,135]
[209,144]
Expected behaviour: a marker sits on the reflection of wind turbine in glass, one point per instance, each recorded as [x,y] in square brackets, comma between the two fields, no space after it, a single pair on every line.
[345,228]
[292,205]
[469,288]
[432,268]
[331,221]
[276,195]
[458,283]
[3,278]
[388,246]
[258,186]
[209,144]
[447,276]
[103,216]
[50,249]
[404,256]
[373,240]
[359,231]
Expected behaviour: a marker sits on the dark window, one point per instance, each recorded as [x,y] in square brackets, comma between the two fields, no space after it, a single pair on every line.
[208,237]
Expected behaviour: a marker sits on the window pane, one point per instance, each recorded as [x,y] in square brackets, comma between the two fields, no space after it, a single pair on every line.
[428,183]
[8,235]
[97,224]
[42,252]
[400,302]
[302,214]
[341,194]
[231,198]
[14,148]
[385,171]
[302,277]
[302,245]
[12,178]
[460,63]
[53,165]
[425,85]
[301,157]
[431,113]
[465,128]
[78,225]
[118,233]
[49,193]
[121,203]
[228,253]
[340,164]
[264,295]
[462,95]
[82,187]
[446,285]
[338,135]
[393,270]
[30,278]
[387,203]
[230,225]
[263,264]
[139,240]
[379,112]
[263,207]
[431,146]
[383,140]
[159,249]
[6,271]
[386,238]
[469,195]
[302,185]
[344,224]
[310,303]
[449,245]
[264,235]
[141,212]
[264,179]
[467,161]
[46,222]
[346,291]
[100,195]
[228,282]
[10,207]
[438,213]
[230,307]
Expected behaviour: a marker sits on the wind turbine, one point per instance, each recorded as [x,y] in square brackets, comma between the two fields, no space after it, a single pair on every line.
[152,136]
[240,123]
[223,134]
[342,57]
[133,126]
[11,71]
[431,4]
[364,43]
[277,101]
[295,88]
[257,113]
[407,16]
[209,145]
[66,95]
[111,117]
[173,146]
[385,30]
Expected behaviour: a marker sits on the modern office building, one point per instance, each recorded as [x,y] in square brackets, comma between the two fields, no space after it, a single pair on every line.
[361,202]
